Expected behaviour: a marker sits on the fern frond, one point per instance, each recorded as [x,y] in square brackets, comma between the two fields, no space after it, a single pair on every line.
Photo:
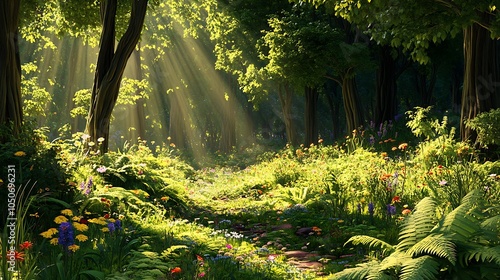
[418,225]
[393,263]
[437,245]
[481,254]
[371,242]
[463,222]
[361,271]
[421,268]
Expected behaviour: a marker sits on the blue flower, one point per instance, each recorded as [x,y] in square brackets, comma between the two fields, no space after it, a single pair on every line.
[111,227]
[371,208]
[66,235]
[391,209]
[118,224]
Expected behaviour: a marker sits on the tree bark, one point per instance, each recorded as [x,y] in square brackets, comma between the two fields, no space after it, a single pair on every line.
[285,94]
[311,128]
[10,67]
[352,105]
[481,80]
[385,107]
[139,122]
[110,67]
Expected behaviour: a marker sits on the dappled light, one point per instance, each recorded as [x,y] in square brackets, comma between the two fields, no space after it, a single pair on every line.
[249,140]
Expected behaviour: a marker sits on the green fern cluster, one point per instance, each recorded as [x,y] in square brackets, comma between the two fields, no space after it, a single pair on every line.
[463,244]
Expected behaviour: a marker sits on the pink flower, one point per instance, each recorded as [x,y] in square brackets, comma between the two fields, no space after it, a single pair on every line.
[201,275]
[229,246]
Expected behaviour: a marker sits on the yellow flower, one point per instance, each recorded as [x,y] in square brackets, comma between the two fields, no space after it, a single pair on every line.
[73,247]
[81,237]
[111,220]
[60,219]
[67,212]
[48,233]
[105,229]
[54,241]
[19,154]
[76,218]
[80,227]
[98,221]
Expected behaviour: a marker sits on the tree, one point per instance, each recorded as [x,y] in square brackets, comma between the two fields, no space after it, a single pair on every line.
[10,66]
[110,66]
[413,25]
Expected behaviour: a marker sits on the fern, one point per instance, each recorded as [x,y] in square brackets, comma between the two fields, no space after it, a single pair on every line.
[371,242]
[421,268]
[436,245]
[418,225]
[361,271]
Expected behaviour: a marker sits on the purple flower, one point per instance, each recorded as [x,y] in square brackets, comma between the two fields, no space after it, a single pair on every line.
[111,227]
[101,169]
[372,140]
[391,209]
[371,208]
[66,237]
[118,224]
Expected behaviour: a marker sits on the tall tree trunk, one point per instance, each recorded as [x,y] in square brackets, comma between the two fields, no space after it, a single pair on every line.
[385,107]
[285,94]
[425,80]
[334,104]
[352,105]
[481,80]
[228,131]
[10,67]
[311,128]
[110,67]
[140,116]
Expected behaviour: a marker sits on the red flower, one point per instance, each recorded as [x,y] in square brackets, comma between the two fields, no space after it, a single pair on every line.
[176,270]
[19,256]
[396,199]
[106,216]
[26,245]
[199,258]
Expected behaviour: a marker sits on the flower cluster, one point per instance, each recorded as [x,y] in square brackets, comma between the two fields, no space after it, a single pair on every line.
[86,187]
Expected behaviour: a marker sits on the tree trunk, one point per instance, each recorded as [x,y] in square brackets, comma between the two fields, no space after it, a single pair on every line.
[481,81]
[425,80]
[139,121]
[334,104]
[311,112]
[386,87]
[285,94]
[10,67]
[352,105]
[228,131]
[110,67]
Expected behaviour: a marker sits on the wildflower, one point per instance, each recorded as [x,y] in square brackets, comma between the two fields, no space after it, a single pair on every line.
[443,182]
[100,139]
[385,176]
[49,233]
[164,198]
[65,234]
[391,209]
[81,237]
[317,230]
[396,199]
[371,208]
[80,227]
[176,270]
[105,229]
[340,221]
[199,258]
[403,146]
[118,224]
[111,227]
[60,219]
[229,246]
[19,154]
[73,248]
[67,212]
[101,169]
[19,256]
[106,216]
[54,241]
[383,154]
[26,245]
[85,137]
[406,212]
[201,275]
[91,144]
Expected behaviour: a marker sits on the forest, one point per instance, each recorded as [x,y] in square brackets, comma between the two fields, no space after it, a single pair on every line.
[230,139]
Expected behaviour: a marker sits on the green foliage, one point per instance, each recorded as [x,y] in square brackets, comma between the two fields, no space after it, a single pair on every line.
[430,250]
[486,126]
[35,97]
